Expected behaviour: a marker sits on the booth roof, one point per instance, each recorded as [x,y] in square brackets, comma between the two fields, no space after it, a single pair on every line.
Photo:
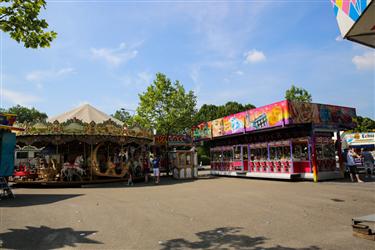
[85,113]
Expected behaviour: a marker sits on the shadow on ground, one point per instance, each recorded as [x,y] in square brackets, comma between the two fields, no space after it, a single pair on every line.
[24,200]
[44,238]
[164,181]
[225,238]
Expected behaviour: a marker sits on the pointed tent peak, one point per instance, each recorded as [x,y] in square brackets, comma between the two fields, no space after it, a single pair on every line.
[85,113]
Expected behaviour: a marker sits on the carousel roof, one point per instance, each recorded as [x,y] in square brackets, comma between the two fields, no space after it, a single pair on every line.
[85,113]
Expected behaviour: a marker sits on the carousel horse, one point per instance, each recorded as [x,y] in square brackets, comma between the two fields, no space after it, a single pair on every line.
[69,171]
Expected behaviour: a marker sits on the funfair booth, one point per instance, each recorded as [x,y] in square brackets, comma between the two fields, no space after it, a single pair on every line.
[356,20]
[82,145]
[7,145]
[283,140]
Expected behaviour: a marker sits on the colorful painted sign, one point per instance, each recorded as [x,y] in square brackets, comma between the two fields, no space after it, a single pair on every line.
[354,139]
[356,20]
[202,131]
[272,115]
[218,127]
[7,119]
[275,115]
[234,124]
[321,114]
[173,140]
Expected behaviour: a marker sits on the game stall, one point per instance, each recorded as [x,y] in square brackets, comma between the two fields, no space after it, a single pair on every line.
[283,140]
[182,157]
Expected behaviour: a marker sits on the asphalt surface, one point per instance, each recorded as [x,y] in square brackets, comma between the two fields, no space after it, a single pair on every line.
[207,213]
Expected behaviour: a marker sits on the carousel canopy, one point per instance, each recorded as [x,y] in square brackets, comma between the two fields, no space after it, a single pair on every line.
[85,113]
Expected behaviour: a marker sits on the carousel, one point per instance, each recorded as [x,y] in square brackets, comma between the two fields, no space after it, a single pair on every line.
[83,145]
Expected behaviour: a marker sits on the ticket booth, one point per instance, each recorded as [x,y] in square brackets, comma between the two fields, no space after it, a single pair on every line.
[183,164]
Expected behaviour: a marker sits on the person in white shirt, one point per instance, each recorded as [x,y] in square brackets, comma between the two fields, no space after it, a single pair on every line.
[351,164]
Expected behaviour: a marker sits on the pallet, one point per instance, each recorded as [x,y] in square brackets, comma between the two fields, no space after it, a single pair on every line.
[361,227]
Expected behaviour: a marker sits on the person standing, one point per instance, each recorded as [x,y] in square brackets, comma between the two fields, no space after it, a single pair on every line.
[130,173]
[351,164]
[155,166]
[368,162]
[146,168]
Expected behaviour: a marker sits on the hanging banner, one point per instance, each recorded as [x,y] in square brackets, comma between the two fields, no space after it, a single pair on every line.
[272,115]
[234,124]
[202,131]
[218,127]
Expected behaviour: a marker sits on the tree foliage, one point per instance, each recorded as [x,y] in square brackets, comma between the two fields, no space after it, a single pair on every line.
[364,124]
[20,19]
[210,112]
[298,94]
[25,114]
[124,116]
[166,107]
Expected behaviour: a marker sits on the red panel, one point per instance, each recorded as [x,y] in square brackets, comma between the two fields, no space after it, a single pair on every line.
[301,167]
[246,166]
[237,163]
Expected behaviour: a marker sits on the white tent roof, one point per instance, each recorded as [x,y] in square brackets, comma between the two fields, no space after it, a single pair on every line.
[85,113]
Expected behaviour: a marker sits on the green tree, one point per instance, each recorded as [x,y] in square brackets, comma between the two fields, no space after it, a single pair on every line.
[298,94]
[364,124]
[20,19]
[210,112]
[166,107]
[124,116]
[27,115]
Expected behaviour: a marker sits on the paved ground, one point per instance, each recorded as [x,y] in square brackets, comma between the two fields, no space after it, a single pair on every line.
[215,213]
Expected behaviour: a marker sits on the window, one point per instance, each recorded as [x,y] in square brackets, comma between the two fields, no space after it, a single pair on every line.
[227,155]
[245,153]
[300,151]
[273,153]
[22,155]
[319,151]
[237,153]
[329,151]
[286,153]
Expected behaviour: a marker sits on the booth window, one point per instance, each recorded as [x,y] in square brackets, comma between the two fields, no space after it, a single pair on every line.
[300,151]
[286,153]
[228,155]
[273,153]
[22,155]
[245,153]
[237,153]
[329,151]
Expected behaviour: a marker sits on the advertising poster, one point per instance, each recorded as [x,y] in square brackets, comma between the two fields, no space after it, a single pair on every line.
[321,114]
[272,115]
[218,127]
[234,124]
[202,131]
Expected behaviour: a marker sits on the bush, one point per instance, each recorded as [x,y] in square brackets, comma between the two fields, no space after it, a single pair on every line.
[204,159]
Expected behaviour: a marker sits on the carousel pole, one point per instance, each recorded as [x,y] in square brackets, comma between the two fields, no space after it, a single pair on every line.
[91,160]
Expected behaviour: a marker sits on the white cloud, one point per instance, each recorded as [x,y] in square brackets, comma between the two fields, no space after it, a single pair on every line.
[254,56]
[16,97]
[239,72]
[138,81]
[115,57]
[42,75]
[365,61]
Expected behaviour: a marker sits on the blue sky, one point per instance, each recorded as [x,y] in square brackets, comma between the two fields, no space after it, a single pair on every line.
[247,51]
